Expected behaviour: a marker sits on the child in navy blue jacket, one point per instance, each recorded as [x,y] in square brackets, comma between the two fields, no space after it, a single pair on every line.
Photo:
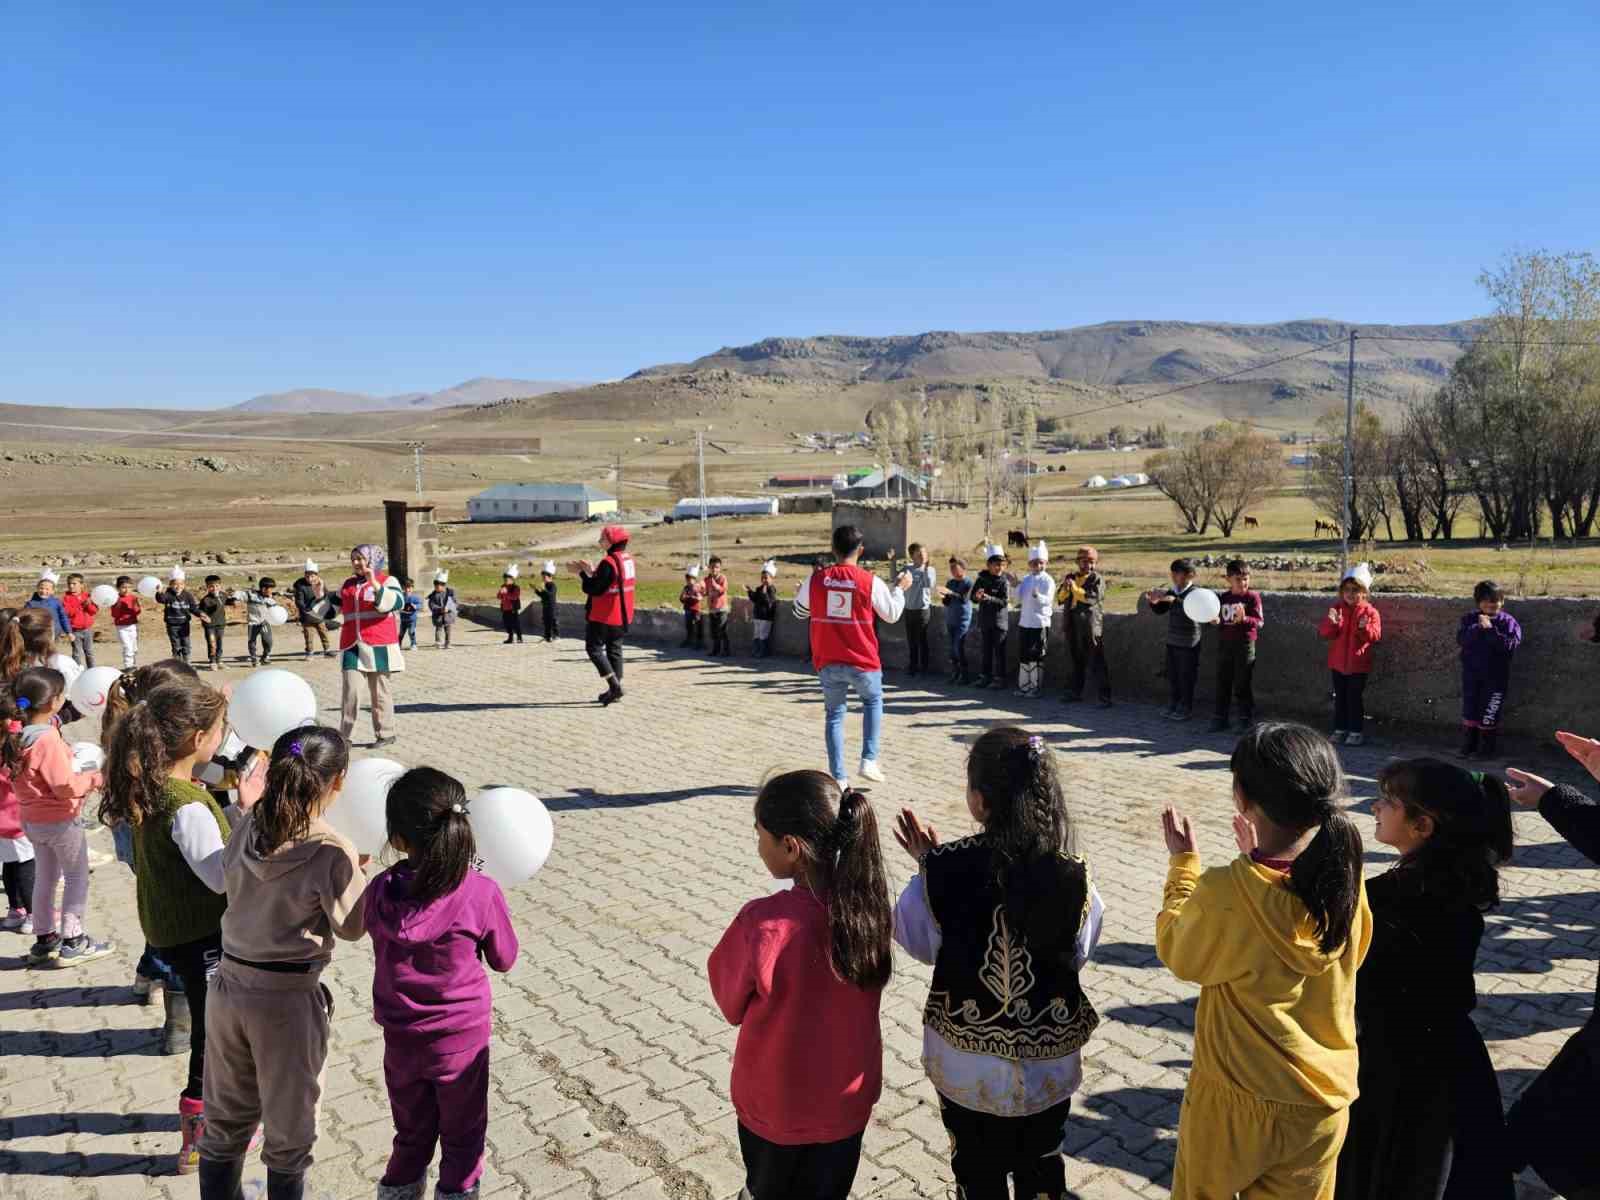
[1488,636]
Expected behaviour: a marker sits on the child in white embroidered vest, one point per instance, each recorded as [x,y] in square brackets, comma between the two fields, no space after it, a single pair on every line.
[1007,918]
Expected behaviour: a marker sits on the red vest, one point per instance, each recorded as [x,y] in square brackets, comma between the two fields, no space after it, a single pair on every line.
[362,620]
[842,633]
[614,606]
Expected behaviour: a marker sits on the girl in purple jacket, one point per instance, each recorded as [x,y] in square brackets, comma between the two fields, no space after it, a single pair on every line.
[1488,636]
[431,918]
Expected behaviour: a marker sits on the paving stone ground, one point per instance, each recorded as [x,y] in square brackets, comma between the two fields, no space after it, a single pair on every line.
[610,1062]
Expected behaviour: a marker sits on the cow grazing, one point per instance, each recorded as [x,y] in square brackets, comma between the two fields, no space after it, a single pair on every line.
[1017,537]
[1322,527]
[1251,523]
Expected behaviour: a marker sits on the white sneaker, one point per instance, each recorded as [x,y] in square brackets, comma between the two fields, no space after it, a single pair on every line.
[871,770]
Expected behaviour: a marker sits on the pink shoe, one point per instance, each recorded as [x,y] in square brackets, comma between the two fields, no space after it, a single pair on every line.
[192,1121]
[15,919]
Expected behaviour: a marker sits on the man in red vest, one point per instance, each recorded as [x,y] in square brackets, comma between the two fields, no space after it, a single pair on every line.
[840,601]
[609,607]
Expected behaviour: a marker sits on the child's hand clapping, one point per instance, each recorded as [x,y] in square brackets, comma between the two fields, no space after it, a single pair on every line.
[1585,750]
[1484,622]
[1526,788]
[1154,596]
[1178,831]
[1335,615]
[915,838]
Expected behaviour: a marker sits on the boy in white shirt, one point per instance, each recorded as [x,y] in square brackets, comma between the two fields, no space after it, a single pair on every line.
[1037,593]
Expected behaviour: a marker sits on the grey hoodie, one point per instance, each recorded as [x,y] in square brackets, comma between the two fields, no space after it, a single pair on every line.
[290,905]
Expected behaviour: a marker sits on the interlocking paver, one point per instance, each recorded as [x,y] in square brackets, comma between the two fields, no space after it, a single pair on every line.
[610,1063]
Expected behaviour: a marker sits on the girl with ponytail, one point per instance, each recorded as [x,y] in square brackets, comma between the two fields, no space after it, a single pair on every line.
[432,918]
[1428,1120]
[1274,940]
[294,885]
[801,973]
[1008,918]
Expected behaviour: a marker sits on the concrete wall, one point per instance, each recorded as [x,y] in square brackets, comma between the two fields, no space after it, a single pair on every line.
[888,528]
[1416,681]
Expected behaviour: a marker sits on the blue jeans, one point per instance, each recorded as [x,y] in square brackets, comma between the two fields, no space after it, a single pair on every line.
[837,680]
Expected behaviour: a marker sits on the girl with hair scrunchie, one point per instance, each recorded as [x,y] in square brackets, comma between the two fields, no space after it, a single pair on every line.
[814,957]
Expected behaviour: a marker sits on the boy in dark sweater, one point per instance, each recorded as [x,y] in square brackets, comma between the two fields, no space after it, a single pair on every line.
[764,609]
[547,601]
[991,598]
[213,611]
[1488,637]
[956,595]
[1238,624]
[179,607]
[1183,640]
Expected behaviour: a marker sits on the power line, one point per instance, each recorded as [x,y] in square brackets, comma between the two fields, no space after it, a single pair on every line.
[1465,339]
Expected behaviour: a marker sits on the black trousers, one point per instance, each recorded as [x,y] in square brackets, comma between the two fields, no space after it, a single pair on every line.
[178,638]
[195,963]
[820,1171]
[19,879]
[603,645]
[985,1149]
[917,639]
[550,629]
[992,654]
[1032,644]
[1183,672]
[1236,668]
[694,629]
[1349,713]
[512,622]
[1088,657]
[719,633]
[263,635]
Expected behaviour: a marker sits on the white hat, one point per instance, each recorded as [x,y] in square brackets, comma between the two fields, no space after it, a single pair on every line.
[309,567]
[1041,552]
[1361,573]
[177,573]
[512,570]
[692,572]
[441,576]
[770,567]
[48,576]
[993,551]
[549,566]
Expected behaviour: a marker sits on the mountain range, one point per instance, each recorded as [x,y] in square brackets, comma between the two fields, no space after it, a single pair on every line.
[474,391]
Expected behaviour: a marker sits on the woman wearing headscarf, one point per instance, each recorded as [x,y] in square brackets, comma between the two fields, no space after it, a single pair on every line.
[369,640]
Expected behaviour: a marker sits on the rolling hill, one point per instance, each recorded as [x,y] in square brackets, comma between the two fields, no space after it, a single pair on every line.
[474,391]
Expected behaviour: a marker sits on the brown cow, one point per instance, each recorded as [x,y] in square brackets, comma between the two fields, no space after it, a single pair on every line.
[1322,527]
[1251,523]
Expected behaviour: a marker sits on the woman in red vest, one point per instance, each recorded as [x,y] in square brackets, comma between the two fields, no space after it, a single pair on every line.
[609,607]
[369,640]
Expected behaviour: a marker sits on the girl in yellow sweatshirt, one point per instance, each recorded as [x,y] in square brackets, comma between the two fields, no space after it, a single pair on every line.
[1274,940]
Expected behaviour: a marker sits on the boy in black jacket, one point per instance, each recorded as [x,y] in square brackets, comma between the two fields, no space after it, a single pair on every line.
[764,609]
[179,609]
[991,597]
[547,601]
[1183,640]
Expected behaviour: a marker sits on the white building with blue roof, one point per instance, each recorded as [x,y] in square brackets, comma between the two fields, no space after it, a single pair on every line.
[539,502]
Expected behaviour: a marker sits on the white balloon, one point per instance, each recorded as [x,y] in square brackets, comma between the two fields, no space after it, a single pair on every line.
[88,691]
[1202,606]
[105,595]
[270,703]
[277,614]
[86,756]
[513,831]
[359,811]
[149,586]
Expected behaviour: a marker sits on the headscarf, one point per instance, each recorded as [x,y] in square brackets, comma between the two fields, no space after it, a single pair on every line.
[376,558]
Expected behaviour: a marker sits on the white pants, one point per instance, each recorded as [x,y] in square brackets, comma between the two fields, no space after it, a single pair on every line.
[128,635]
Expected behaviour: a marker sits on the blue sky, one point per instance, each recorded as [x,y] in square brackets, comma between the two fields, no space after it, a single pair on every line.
[199,203]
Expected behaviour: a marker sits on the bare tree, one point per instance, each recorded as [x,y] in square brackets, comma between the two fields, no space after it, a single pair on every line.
[1251,468]
[684,482]
[1371,497]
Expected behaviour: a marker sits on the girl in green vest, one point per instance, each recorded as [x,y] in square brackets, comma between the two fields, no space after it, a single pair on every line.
[179,832]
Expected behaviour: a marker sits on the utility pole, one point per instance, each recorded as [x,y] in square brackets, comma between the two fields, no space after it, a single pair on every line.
[620,504]
[1027,479]
[1349,465]
[705,528]
[416,464]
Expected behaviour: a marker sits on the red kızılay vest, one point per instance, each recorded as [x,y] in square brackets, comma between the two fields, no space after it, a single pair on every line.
[614,606]
[842,633]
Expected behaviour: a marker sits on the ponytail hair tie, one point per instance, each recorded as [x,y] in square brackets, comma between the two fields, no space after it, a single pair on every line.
[23,704]
[459,808]
[297,749]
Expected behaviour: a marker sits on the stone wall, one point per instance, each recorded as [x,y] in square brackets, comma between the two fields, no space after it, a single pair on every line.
[1416,681]
[888,527]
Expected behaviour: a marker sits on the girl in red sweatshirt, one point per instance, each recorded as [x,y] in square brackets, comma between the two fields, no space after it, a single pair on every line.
[810,960]
[1351,629]
[50,794]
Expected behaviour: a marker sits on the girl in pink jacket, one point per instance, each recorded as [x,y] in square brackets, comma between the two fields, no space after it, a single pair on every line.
[50,793]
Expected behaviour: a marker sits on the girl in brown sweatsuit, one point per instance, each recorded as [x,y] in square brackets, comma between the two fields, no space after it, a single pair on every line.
[294,885]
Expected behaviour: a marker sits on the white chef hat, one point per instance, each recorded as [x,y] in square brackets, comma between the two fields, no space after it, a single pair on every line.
[310,567]
[770,567]
[46,575]
[549,566]
[693,571]
[993,551]
[1361,573]
[441,576]
[177,573]
[1041,552]
[512,570]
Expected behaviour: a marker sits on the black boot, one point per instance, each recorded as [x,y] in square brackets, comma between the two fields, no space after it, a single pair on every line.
[613,691]
[1486,744]
[1469,743]
[285,1185]
[220,1180]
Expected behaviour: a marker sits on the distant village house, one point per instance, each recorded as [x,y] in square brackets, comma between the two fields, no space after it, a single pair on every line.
[539,502]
